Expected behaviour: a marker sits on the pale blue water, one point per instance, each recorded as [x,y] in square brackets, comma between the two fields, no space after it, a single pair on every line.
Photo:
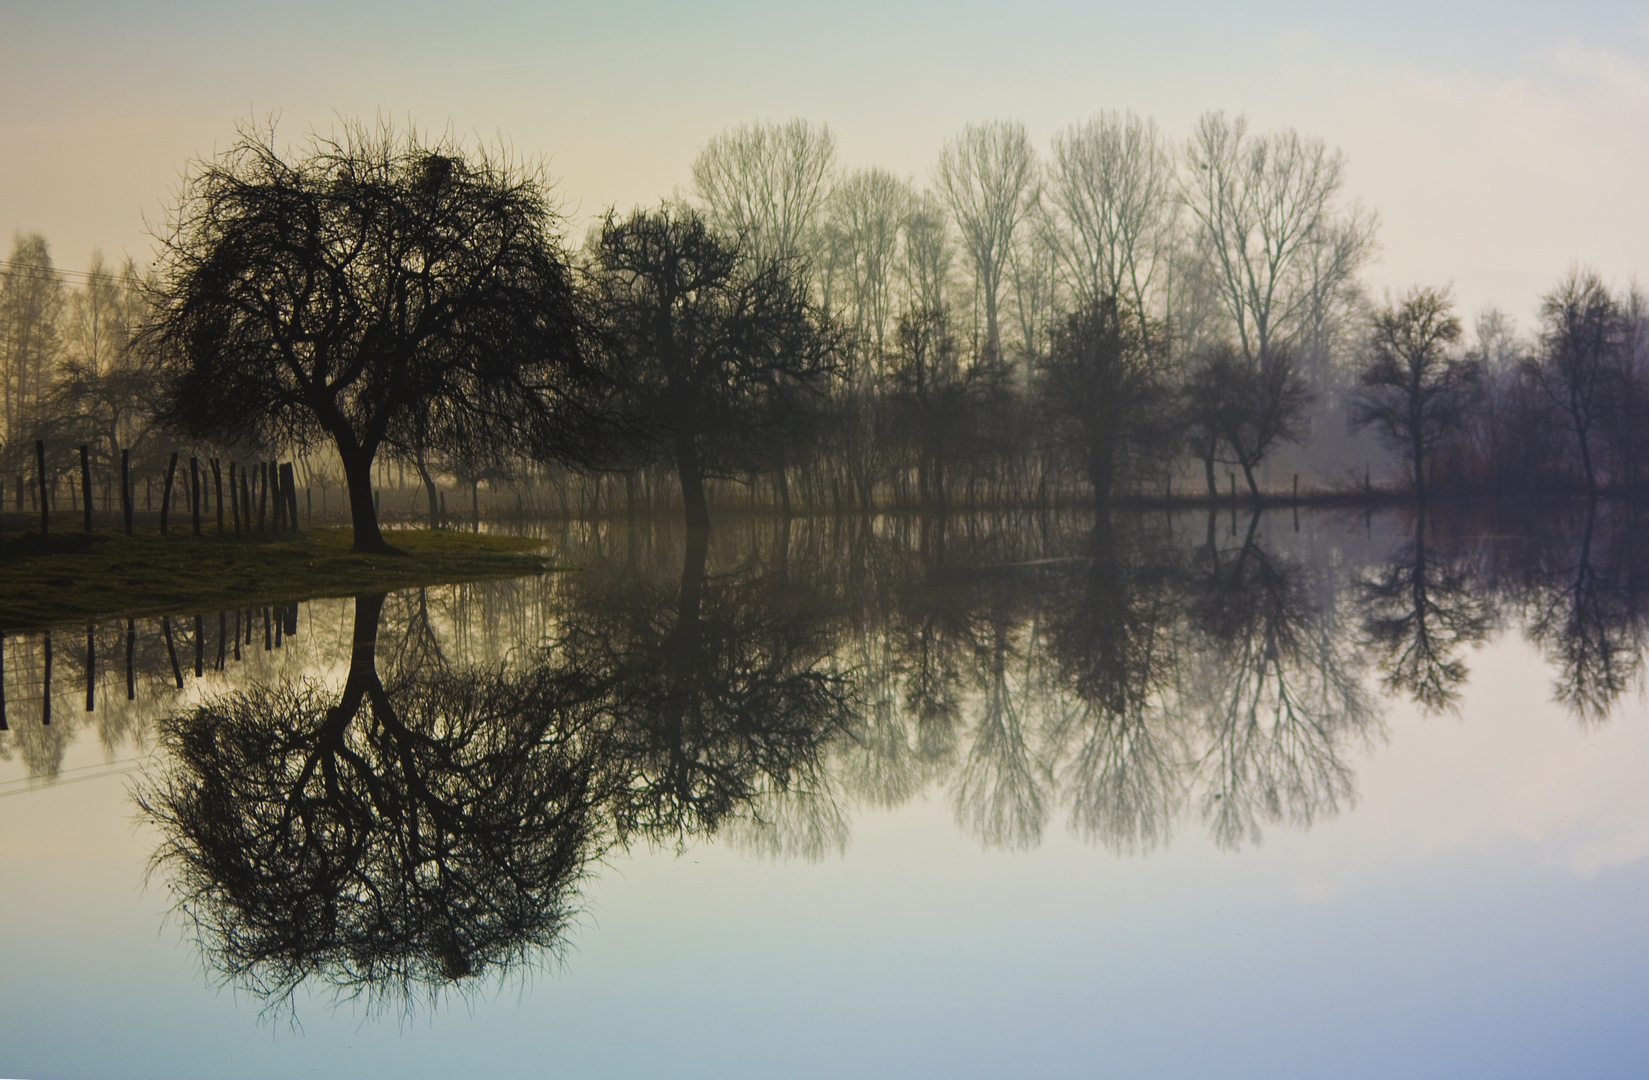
[1476,908]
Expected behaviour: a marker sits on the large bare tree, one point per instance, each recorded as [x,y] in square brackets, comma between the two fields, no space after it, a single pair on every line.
[1264,207]
[32,297]
[1415,387]
[988,175]
[866,211]
[764,185]
[370,289]
[1109,209]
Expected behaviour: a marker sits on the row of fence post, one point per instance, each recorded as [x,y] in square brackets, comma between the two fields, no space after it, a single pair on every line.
[273,484]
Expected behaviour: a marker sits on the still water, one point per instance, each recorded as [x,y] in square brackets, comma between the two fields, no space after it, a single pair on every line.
[996,796]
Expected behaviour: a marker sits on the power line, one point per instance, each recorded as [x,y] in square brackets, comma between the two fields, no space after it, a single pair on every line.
[84,275]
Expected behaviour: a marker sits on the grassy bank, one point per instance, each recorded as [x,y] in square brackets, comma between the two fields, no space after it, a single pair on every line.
[76,576]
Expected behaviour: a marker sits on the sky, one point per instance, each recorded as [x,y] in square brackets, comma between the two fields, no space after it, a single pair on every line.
[1500,144]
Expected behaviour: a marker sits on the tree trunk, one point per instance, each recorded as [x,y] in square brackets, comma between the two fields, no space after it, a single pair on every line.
[1253,488]
[362,517]
[1099,475]
[1418,452]
[429,489]
[691,475]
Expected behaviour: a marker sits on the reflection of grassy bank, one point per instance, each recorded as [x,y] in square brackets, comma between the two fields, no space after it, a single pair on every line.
[72,576]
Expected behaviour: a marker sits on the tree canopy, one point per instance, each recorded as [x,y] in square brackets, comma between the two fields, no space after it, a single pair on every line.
[367,288]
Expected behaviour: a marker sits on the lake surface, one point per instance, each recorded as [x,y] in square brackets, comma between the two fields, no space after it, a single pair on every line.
[1322,795]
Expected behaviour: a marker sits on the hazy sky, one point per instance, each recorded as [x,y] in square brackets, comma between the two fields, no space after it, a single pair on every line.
[1499,143]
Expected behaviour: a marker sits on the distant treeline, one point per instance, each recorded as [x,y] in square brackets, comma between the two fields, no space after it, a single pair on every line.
[1121,315]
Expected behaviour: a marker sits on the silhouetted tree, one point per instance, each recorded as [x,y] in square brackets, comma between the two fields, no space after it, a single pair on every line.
[940,402]
[718,359]
[764,185]
[1580,357]
[1104,388]
[1244,407]
[1109,210]
[369,284]
[1414,392]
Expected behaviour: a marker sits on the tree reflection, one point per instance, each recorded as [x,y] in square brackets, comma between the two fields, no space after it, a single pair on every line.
[1111,638]
[432,822]
[434,825]
[436,835]
[1278,691]
[720,704]
[1420,609]
[1587,613]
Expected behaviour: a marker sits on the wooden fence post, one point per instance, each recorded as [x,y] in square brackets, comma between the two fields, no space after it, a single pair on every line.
[289,496]
[40,468]
[217,489]
[166,495]
[194,491]
[86,486]
[126,488]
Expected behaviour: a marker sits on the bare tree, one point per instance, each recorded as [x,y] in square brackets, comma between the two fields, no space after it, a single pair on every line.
[988,176]
[1264,210]
[1109,209]
[365,288]
[765,184]
[107,389]
[1582,346]
[32,296]
[927,255]
[1415,390]
[866,211]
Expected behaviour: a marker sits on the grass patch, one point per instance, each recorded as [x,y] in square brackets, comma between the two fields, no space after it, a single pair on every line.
[78,577]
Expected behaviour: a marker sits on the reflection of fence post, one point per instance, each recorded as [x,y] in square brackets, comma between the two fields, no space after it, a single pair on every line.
[126,488]
[3,725]
[46,693]
[131,646]
[40,469]
[86,486]
[91,667]
[166,495]
[171,653]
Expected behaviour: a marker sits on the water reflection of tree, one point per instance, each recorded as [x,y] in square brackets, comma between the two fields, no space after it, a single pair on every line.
[432,824]
[436,836]
[1420,609]
[719,700]
[1278,691]
[1112,621]
[435,823]
[1586,609]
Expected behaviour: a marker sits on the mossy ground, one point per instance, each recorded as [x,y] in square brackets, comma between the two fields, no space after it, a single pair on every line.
[73,576]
